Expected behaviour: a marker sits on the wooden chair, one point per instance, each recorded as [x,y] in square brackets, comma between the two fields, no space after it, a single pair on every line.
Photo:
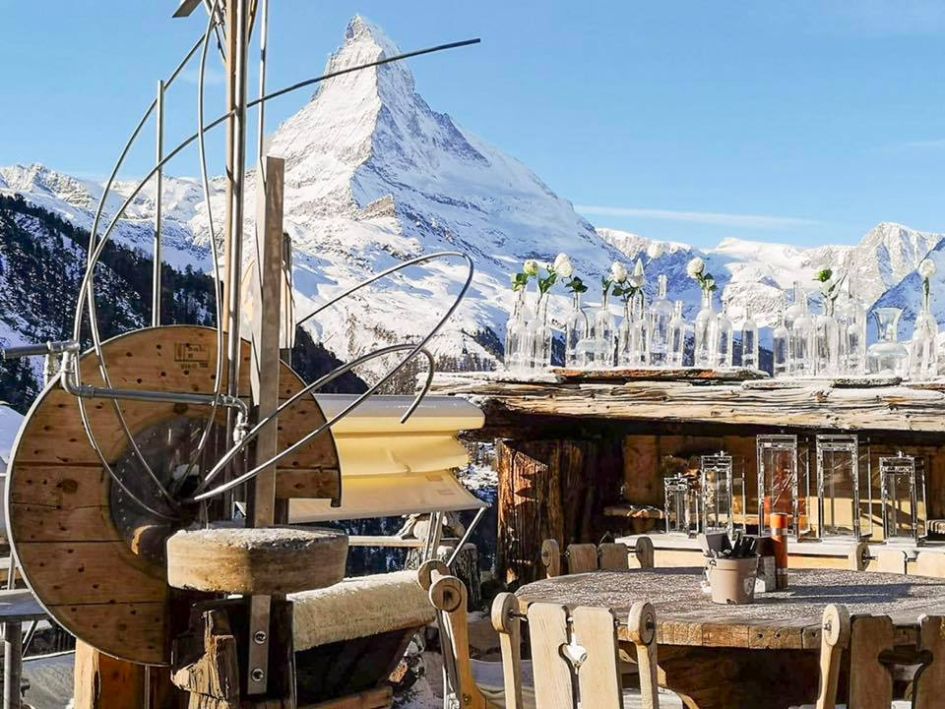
[474,683]
[575,655]
[581,558]
[871,683]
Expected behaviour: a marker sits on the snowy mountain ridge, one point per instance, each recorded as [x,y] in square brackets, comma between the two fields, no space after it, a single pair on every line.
[375,176]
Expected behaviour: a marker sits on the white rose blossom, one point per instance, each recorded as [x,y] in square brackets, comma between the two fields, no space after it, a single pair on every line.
[695,267]
[563,266]
[618,272]
[927,268]
[531,267]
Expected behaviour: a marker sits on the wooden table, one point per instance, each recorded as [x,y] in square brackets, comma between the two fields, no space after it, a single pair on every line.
[758,655]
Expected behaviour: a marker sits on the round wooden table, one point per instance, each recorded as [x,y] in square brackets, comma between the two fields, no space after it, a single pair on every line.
[760,655]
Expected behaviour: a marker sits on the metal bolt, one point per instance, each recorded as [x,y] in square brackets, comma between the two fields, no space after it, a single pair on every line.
[257,675]
[260,637]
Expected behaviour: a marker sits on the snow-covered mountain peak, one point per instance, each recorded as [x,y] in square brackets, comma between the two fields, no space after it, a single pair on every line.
[39,179]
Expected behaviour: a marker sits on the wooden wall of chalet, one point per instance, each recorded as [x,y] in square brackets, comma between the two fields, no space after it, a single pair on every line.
[557,487]
[552,489]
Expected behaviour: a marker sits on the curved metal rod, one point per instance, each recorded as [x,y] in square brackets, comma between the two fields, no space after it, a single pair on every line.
[217,290]
[86,289]
[419,347]
[93,314]
[383,274]
[326,379]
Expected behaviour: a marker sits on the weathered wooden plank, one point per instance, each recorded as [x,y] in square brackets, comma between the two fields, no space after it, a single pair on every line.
[809,405]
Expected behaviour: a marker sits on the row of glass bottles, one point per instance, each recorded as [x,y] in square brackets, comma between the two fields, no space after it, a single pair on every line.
[833,342]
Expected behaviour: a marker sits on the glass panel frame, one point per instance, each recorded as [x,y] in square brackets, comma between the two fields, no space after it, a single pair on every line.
[783,483]
[717,493]
[839,511]
[903,482]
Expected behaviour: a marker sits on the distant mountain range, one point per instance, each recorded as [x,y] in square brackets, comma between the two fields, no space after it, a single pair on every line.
[374,176]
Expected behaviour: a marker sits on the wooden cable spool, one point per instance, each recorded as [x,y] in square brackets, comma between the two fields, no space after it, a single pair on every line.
[95,559]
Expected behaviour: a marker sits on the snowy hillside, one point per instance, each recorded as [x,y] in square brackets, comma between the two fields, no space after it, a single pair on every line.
[375,176]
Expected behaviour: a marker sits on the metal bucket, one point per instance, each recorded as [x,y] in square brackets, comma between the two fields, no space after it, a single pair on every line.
[733,580]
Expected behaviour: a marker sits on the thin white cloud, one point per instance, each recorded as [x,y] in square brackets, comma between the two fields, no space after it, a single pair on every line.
[749,221]
[933,144]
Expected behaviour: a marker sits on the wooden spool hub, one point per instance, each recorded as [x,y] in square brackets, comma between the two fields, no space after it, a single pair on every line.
[94,558]
[267,561]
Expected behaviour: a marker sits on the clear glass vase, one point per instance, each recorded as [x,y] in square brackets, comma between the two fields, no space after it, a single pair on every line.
[802,338]
[706,332]
[658,330]
[888,356]
[924,355]
[600,336]
[677,336]
[630,345]
[541,336]
[826,348]
[515,334]
[724,336]
[855,350]
[793,310]
[749,341]
[781,347]
[575,331]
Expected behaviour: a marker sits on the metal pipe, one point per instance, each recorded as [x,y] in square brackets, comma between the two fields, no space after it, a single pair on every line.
[86,391]
[57,347]
[465,537]
[158,205]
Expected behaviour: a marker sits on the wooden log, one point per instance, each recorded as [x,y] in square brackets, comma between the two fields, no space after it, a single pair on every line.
[275,560]
[208,666]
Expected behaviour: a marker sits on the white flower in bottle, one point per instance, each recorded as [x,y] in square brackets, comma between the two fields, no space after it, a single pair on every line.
[926,268]
[638,279]
[618,272]
[695,267]
[563,266]
[531,267]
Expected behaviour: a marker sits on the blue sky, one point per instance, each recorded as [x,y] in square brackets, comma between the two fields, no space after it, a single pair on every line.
[801,122]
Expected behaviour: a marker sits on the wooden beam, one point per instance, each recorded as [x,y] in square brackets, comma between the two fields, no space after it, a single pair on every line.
[804,405]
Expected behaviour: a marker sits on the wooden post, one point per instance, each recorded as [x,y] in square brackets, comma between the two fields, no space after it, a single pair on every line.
[552,489]
[264,378]
[102,682]
[12,664]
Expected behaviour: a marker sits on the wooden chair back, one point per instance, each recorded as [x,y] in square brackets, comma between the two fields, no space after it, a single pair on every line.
[871,682]
[582,558]
[575,656]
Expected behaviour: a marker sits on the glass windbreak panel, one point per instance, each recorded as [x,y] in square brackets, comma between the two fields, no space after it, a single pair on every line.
[717,493]
[902,481]
[838,486]
[777,480]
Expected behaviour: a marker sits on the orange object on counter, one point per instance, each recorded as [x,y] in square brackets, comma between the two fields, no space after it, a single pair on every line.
[779,538]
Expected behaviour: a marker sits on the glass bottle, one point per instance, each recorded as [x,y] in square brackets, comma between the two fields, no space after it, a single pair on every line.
[749,341]
[855,332]
[826,349]
[802,335]
[575,330]
[781,346]
[791,313]
[677,336]
[541,357]
[600,347]
[888,356]
[706,330]
[658,332]
[625,337]
[514,333]
[924,355]
[724,351]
